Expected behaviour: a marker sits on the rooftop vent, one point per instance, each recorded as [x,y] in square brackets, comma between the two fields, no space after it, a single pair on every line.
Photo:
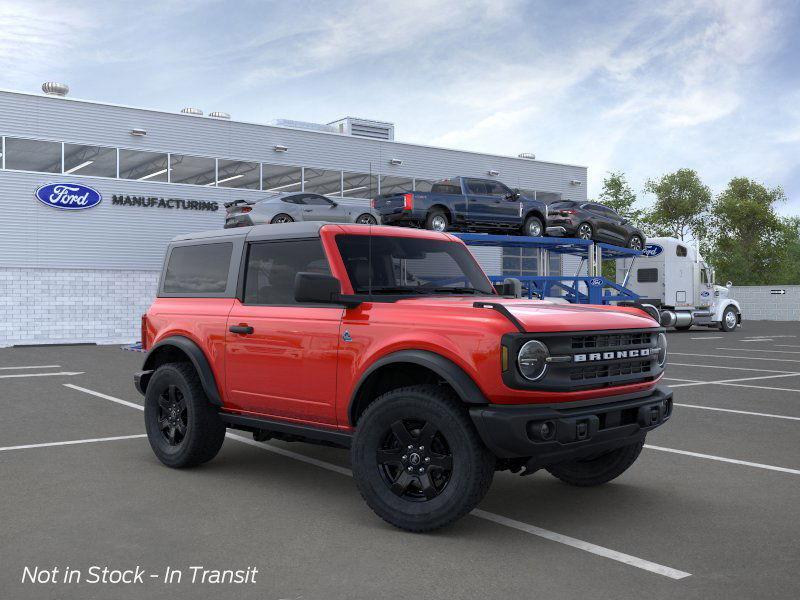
[192,111]
[51,88]
[303,125]
[376,130]
[527,155]
[219,115]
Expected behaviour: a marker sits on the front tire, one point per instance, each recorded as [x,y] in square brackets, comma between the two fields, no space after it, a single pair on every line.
[635,243]
[533,227]
[417,459]
[597,470]
[183,429]
[729,320]
[584,232]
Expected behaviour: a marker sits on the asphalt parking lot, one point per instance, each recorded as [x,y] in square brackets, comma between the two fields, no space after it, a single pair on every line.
[710,510]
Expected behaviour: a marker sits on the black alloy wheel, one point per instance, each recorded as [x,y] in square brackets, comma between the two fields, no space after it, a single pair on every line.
[366,219]
[172,417]
[414,460]
[584,231]
[282,218]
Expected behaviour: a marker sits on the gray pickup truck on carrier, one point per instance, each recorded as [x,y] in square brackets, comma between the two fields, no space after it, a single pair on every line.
[464,203]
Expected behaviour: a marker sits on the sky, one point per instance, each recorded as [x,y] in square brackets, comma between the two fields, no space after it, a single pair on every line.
[639,87]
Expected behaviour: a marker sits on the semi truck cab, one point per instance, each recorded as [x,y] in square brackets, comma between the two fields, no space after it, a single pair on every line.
[671,275]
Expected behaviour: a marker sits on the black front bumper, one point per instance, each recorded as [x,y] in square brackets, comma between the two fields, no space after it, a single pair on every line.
[576,431]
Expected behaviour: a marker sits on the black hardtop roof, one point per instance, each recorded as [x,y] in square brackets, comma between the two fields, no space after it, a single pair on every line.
[275,231]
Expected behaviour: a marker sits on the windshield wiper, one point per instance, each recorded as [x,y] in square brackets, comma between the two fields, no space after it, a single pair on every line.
[387,289]
[454,290]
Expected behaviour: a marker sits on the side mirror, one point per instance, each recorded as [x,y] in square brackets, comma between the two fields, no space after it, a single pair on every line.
[334,204]
[512,195]
[729,285]
[318,288]
[511,286]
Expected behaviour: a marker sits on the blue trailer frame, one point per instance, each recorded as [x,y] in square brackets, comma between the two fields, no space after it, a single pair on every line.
[599,290]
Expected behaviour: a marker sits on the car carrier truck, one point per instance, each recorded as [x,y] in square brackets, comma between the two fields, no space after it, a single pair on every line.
[673,277]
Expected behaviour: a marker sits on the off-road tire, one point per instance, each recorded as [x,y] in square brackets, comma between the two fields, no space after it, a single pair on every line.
[723,325]
[433,215]
[530,223]
[205,431]
[597,471]
[472,464]
[282,218]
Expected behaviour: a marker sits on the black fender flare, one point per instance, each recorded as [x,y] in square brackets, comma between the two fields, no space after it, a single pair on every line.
[463,385]
[196,357]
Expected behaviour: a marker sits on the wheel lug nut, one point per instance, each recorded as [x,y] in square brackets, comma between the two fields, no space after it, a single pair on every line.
[422,470]
[405,457]
[422,447]
[410,447]
[427,459]
[410,469]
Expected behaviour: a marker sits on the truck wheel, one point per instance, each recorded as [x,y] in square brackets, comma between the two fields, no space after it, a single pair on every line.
[598,470]
[635,243]
[437,220]
[282,218]
[183,429]
[584,232]
[417,459]
[729,320]
[533,227]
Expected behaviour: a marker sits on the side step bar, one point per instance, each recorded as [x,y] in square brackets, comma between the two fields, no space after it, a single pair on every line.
[285,429]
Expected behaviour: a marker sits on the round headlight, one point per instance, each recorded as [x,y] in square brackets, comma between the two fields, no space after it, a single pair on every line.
[532,360]
[662,349]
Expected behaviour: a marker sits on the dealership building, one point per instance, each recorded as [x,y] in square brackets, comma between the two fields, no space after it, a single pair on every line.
[72,276]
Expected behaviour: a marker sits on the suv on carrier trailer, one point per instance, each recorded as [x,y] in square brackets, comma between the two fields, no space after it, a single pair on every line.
[393,343]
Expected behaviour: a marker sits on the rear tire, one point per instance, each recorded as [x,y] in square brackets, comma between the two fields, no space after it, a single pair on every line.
[183,429]
[282,218]
[533,227]
[635,243]
[729,321]
[584,232]
[437,220]
[417,458]
[367,219]
[599,470]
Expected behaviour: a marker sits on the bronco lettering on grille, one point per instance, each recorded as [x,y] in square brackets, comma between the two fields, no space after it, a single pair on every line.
[593,356]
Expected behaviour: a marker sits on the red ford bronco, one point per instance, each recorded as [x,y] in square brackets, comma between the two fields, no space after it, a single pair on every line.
[392,342]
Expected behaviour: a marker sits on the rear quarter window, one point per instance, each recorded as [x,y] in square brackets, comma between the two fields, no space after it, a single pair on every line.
[198,269]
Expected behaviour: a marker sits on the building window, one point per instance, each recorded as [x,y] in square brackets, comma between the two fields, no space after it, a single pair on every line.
[322,181]
[396,185]
[33,155]
[280,178]
[198,269]
[237,174]
[194,170]
[96,161]
[143,166]
[360,185]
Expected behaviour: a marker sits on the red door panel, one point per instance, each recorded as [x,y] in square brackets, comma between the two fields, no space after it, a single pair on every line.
[287,367]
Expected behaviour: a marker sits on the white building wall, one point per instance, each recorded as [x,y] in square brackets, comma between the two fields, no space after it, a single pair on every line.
[759,303]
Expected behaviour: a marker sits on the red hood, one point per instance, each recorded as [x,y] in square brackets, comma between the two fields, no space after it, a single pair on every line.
[542,315]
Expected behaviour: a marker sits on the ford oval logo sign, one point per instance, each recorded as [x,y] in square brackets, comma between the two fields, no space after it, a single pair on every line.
[652,250]
[596,281]
[705,293]
[68,196]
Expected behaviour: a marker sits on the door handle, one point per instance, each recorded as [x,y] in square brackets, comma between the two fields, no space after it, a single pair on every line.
[242,329]
[308,209]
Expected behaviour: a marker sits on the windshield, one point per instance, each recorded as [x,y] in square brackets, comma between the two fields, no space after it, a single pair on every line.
[401,265]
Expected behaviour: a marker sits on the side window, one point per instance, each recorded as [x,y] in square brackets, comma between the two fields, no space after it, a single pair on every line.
[495,188]
[272,266]
[198,269]
[315,200]
[704,276]
[294,199]
[476,186]
[446,187]
[681,251]
[647,275]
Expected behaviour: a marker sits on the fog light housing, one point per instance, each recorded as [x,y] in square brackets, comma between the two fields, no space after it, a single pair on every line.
[542,430]
[532,360]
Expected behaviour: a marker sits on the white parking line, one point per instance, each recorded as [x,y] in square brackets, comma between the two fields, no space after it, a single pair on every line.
[787,346]
[73,442]
[759,350]
[31,367]
[761,387]
[732,381]
[708,337]
[723,459]
[740,412]
[16,375]
[673,364]
[739,357]
[481,514]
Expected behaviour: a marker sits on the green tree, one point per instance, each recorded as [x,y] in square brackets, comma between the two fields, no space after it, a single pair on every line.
[749,243]
[681,205]
[618,195]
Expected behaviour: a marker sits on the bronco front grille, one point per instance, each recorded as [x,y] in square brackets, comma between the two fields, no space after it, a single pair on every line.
[600,371]
[610,340]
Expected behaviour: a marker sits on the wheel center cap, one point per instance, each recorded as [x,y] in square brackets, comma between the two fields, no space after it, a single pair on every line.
[414,459]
